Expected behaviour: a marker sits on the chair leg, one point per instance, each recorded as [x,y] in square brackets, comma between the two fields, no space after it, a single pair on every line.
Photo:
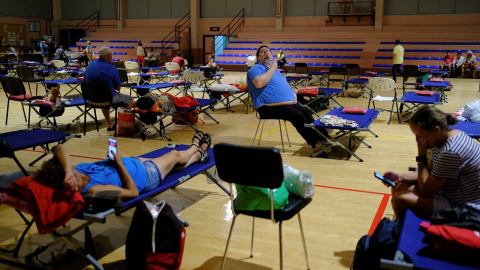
[24,115]
[281,135]
[228,242]
[253,141]
[253,232]
[85,120]
[303,241]
[280,242]
[286,132]
[8,105]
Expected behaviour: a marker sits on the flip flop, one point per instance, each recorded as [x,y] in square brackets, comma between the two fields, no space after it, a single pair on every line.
[199,137]
[112,128]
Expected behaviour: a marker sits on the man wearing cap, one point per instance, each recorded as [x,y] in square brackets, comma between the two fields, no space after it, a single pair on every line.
[179,60]
[470,62]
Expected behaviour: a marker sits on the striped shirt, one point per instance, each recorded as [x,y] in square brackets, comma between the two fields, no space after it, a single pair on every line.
[459,162]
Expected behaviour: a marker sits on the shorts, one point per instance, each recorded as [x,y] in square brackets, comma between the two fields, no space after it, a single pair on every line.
[440,202]
[153,175]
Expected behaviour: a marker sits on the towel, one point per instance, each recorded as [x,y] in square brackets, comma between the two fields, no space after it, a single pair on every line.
[50,208]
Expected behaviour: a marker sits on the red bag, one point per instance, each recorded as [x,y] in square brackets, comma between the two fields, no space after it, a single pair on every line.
[126,123]
[190,117]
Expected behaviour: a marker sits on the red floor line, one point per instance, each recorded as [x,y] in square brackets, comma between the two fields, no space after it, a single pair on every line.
[356,190]
[70,155]
[380,211]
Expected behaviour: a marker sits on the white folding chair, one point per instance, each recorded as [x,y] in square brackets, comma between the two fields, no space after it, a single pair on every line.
[132,70]
[377,84]
[197,79]
[173,69]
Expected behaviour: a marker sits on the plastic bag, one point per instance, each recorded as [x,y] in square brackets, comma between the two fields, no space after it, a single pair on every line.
[298,182]
[472,111]
[256,198]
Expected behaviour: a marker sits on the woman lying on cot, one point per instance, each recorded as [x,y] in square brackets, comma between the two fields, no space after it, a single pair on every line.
[131,176]
[449,178]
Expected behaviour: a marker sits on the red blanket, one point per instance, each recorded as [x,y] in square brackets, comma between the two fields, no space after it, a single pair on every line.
[183,102]
[50,208]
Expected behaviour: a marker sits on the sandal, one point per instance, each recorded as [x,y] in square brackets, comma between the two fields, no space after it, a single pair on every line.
[198,135]
[206,139]
[205,154]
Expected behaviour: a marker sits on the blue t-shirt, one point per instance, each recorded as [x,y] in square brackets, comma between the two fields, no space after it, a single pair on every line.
[101,71]
[276,90]
[105,173]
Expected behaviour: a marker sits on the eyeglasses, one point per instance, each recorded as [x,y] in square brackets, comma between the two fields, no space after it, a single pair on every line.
[264,50]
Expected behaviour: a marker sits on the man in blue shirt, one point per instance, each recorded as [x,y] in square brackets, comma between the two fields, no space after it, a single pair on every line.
[273,97]
[102,70]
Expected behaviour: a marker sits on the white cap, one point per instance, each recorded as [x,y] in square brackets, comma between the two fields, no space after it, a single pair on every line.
[469,52]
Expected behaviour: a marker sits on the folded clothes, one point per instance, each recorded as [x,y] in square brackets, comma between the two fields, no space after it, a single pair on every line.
[333,120]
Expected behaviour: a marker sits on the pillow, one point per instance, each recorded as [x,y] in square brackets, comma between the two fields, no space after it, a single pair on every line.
[256,198]
[355,110]
[44,102]
[297,76]
[436,80]
[80,78]
[324,71]
[152,73]
[177,82]
[223,88]
[308,90]
[370,72]
[425,93]
[364,78]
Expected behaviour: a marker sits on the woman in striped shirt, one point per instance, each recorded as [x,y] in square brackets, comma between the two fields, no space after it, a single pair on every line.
[449,178]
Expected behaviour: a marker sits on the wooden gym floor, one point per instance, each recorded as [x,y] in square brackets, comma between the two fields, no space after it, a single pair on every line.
[347,204]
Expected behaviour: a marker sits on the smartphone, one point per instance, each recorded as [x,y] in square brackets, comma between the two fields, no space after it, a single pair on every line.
[112,147]
[386,180]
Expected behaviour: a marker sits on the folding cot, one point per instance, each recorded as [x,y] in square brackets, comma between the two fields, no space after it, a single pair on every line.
[71,83]
[439,87]
[296,80]
[472,129]
[415,253]
[331,94]
[361,84]
[170,181]
[27,138]
[227,97]
[439,73]
[363,121]
[320,77]
[143,89]
[55,110]
[145,118]
[417,100]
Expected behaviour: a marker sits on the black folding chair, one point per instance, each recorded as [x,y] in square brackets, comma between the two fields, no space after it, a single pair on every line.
[352,70]
[97,93]
[265,170]
[26,75]
[15,91]
[337,71]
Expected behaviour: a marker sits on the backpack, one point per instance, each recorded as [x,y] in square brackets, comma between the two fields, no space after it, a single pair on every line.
[382,244]
[155,239]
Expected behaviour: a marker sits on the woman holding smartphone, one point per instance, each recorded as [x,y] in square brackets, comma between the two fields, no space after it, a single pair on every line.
[449,178]
[131,176]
